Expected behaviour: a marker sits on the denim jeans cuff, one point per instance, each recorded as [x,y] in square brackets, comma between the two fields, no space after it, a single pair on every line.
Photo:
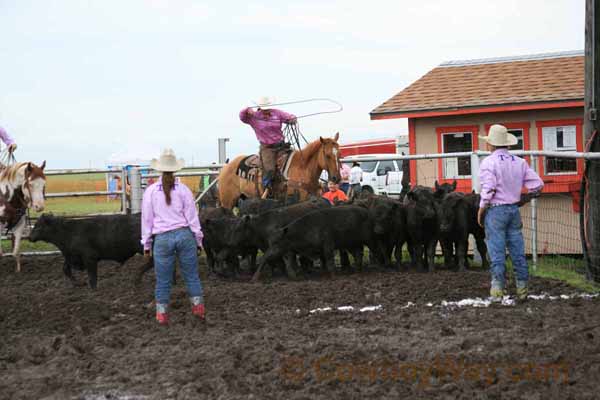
[196,300]
[521,284]
[497,284]
[161,308]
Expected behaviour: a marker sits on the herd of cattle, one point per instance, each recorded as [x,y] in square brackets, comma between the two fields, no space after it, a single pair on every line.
[288,233]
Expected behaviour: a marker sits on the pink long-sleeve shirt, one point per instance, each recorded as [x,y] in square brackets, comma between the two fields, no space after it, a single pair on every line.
[267,128]
[158,217]
[5,137]
[502,177]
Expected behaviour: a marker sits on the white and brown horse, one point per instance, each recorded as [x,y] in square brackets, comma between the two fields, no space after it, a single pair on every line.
[22,186]
[304,170]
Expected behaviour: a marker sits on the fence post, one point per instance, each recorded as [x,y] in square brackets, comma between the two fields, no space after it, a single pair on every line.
[534,232]
[475,186]
[135,180]
[123,191]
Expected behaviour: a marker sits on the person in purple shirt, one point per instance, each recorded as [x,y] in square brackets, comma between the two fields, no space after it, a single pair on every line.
[502,177]
[8,141]
[170,227]
[267,124]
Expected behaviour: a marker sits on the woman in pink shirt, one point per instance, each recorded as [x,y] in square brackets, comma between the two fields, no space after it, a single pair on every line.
[170,227]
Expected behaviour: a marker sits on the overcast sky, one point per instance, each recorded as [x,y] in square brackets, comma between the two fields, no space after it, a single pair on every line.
[81,81]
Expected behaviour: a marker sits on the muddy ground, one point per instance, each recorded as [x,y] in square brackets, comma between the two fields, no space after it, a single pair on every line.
[260,340]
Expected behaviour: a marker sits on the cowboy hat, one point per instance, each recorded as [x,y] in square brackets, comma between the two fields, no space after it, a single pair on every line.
[498,136]
[265,101]
[167,162]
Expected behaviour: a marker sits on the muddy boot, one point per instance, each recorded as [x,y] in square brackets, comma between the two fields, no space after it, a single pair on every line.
[496,294]
[162,317]
[522,291]
[198,307]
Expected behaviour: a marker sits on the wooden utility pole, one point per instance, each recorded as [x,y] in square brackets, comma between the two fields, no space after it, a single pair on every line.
[590,214]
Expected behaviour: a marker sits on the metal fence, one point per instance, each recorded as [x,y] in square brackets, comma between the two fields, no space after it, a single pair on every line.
[551,224]
[130,202]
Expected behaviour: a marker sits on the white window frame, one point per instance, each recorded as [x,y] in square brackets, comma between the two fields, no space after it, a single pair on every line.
[522,135]
[573,148]
[455,159]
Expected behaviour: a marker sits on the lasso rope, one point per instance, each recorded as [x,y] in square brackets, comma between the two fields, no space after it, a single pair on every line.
[339,109]
[7,158]
[292,131]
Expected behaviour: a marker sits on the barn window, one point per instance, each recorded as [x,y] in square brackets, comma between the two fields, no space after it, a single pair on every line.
[457,142]
[519,135]
[560,138]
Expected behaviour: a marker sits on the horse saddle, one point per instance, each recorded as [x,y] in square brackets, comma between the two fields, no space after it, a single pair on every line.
[250,166]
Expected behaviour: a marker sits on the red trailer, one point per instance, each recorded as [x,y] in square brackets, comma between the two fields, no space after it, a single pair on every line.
[374,146]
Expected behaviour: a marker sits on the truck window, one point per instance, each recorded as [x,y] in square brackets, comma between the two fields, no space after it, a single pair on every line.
[368,166]
[387,166]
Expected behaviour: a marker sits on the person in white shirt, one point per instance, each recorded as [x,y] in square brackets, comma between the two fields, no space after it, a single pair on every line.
[323,181]
[356,175]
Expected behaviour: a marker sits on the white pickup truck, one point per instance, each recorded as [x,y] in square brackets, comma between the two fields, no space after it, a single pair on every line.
[380,177]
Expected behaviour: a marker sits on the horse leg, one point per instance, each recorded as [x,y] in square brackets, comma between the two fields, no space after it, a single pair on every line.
[2,227]
[18,234]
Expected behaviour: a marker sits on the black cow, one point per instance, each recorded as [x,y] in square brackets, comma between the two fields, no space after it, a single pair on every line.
[443,189]
[390,228]
[256,206]
[475,229]
[85,241]
[319,233]
[458,218]
[256,230]
[454,216]
[422,226]
[216,223]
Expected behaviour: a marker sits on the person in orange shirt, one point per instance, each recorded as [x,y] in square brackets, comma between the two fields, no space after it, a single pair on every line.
[335,194]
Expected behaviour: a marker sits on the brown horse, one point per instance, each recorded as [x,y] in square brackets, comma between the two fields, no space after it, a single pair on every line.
[303,174]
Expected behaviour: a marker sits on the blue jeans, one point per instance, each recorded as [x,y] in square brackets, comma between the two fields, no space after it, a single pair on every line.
[344,187]
[503,230]
[180,243]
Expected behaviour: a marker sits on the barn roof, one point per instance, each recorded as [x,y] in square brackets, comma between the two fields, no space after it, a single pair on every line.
[531,79]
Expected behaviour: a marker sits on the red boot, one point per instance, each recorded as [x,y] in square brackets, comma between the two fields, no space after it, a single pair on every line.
[162,318]
[161,314]
[198,310]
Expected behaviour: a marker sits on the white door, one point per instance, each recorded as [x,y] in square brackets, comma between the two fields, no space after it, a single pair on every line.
[383,169]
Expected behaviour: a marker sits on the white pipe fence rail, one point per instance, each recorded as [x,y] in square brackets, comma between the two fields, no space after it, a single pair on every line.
[136,190]
[475,157]
[133,204]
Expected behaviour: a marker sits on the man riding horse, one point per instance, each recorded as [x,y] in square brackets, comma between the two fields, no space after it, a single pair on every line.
[267,124]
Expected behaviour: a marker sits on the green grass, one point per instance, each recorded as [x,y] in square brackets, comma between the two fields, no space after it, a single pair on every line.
[26,246]
[80,206]
[569,270]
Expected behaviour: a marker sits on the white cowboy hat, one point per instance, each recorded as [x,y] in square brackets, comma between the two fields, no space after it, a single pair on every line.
[498,136]
[167,162]
[265,101]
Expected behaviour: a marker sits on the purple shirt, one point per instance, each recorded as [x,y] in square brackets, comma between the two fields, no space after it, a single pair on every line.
[158,217]
[5,137]
[503,176]
[267,128]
